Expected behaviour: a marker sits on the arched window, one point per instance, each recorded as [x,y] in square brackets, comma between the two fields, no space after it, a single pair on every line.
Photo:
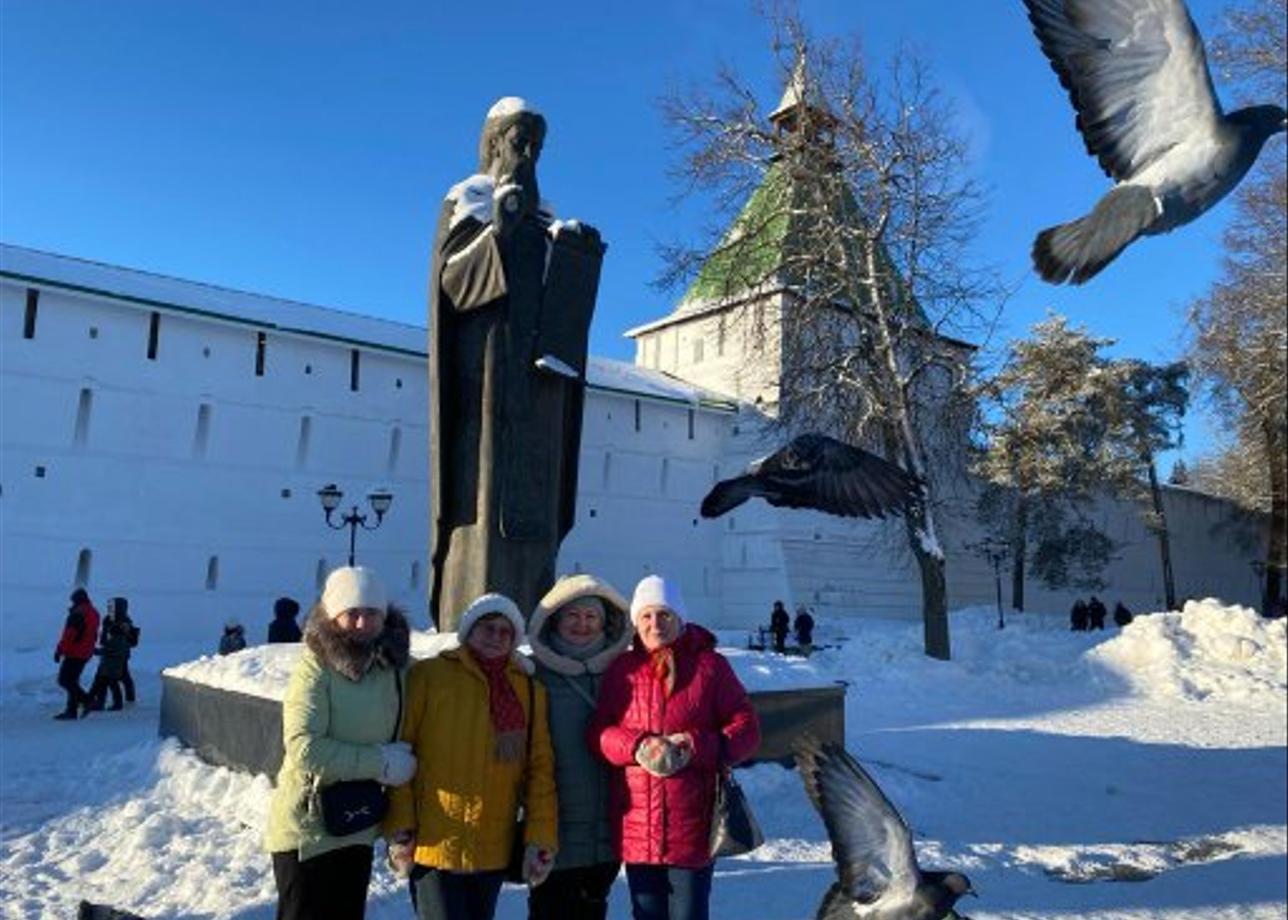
[212,573]
[84,560]
[84,405]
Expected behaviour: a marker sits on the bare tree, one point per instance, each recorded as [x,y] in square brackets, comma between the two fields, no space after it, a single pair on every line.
[846,262]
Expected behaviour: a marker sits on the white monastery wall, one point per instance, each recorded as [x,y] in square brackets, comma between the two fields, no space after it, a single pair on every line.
[187,482]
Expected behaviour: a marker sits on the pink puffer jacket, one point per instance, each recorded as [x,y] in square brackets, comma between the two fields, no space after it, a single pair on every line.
[667,821]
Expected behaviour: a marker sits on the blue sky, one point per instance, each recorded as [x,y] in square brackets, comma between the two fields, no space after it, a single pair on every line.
[302,149]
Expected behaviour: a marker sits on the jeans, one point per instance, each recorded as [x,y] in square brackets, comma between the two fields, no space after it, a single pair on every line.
[440,895]
[669,892]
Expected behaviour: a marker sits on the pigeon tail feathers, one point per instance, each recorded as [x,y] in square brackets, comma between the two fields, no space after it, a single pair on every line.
[1077,251]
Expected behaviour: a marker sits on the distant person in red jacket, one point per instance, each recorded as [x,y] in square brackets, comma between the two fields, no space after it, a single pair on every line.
[672,715]
[75,649]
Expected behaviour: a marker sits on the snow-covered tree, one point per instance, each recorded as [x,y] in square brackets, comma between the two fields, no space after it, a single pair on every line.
[1063,424]
[853,213]
[1240,326]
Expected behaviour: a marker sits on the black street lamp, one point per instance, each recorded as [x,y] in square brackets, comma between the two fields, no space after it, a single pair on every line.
[330,496]
[995,551]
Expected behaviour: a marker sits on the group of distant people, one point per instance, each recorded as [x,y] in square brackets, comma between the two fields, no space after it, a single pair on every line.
[283,627]
[81,640]
[1089,615]
[612,737]
[781,623]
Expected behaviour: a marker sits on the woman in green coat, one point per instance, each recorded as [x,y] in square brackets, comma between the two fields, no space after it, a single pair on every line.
[338,718]
[577,630]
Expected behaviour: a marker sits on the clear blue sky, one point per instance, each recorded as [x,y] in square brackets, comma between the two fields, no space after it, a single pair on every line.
[302,149]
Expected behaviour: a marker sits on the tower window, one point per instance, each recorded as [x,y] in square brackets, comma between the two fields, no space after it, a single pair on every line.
[261,345]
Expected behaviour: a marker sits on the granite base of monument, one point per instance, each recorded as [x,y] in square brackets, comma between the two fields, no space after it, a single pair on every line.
[241,731]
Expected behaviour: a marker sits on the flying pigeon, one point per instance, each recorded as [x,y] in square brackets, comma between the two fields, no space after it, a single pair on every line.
[815,471]
[1138,78]
[871,845]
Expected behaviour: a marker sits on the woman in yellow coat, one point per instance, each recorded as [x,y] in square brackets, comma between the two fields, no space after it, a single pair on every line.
[477,722]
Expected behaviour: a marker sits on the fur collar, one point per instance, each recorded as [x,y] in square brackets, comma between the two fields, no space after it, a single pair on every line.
[616,626]
[389,649]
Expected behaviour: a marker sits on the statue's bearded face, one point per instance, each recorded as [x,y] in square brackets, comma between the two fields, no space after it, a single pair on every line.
[515,152]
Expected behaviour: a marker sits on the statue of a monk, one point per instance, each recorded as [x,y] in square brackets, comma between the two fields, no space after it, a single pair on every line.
[512,291]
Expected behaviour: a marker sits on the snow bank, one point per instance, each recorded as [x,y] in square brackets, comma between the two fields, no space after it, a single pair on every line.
[1206,651]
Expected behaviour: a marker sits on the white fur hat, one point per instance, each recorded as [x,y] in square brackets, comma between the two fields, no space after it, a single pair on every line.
[656,591]
[489,604]
[353,586]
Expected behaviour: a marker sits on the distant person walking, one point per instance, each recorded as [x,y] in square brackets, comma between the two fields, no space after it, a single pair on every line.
[74,650]
[1078,616]
[804,628]
[1096,613]
[121,613]
[284,628]
[233,639]
[780,624]
[114,653]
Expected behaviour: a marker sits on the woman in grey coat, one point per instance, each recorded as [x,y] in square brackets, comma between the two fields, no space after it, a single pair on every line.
[577,630]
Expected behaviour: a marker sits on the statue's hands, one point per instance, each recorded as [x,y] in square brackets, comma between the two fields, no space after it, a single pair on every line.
[507,208]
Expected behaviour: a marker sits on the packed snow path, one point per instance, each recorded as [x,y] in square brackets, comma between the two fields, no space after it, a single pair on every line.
[1071,775]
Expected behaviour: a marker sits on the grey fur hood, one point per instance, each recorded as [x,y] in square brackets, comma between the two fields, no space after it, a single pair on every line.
[391,648]
[617,625]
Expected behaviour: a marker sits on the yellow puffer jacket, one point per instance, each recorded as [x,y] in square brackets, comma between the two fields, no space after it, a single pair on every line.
[462,803]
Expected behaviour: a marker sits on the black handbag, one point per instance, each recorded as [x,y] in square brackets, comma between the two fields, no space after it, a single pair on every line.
[354,805]
[514,868]
[734,829]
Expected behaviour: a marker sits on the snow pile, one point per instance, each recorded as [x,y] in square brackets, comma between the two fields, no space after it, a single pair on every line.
[1206,651]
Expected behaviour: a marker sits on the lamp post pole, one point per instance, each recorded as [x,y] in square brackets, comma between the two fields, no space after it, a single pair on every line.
[330,496]
[995,551]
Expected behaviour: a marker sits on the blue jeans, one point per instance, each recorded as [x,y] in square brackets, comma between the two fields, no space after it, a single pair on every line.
[669,892]
[439,895]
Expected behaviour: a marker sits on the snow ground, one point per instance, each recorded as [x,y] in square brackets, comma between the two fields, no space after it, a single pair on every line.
[1106,775]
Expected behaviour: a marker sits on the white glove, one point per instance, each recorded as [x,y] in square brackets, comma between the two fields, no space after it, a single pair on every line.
[397,763]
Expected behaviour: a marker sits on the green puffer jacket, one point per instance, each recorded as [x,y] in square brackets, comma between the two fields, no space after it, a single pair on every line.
[572,686]
[340,707]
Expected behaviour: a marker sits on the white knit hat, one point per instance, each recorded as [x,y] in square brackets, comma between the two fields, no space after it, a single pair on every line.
[486,605]
[353,586]
[656,591]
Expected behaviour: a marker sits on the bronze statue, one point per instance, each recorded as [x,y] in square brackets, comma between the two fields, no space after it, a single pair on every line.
[511,296]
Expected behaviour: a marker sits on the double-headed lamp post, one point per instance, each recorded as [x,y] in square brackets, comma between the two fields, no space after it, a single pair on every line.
[330,496]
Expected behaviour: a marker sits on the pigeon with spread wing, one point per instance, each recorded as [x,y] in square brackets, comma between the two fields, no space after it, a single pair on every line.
[816,471]
[871,845]
[1138,78]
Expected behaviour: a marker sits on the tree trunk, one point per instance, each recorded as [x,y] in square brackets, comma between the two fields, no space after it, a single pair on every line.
[1164,541]
[1277,550]
[934,583]
[1019,548]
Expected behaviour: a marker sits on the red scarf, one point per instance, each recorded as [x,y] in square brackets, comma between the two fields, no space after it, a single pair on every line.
[503,704]
[662,663]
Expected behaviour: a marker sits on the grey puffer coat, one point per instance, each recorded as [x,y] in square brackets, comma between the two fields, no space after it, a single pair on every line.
[582,778]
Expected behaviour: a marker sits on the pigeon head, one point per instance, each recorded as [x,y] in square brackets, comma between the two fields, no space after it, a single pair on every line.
[1261,121]
[948,887]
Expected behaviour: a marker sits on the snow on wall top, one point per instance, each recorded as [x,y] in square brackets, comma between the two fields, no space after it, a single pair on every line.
[191,296]
[147,288]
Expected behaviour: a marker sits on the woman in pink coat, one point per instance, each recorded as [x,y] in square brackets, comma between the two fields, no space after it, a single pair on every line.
[671,714]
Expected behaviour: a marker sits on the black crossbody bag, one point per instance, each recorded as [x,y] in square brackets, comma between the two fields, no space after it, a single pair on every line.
[354,805]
